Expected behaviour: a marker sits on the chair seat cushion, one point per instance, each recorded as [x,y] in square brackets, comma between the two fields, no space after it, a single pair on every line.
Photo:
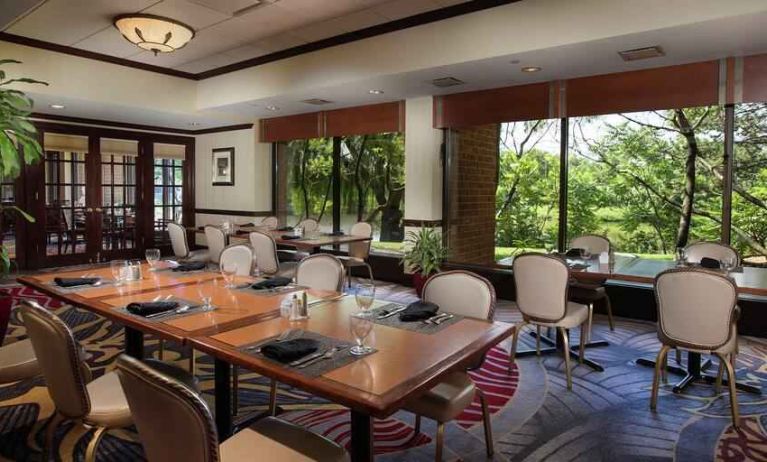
[18,362]
[109,407]
[352,261]
[446,400]
[281,441]
[586,294]
[576,315]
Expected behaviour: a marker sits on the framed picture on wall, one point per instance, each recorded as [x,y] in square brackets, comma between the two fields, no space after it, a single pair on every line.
[223,167]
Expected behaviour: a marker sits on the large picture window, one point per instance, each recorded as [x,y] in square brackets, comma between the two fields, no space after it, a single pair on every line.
[305,181]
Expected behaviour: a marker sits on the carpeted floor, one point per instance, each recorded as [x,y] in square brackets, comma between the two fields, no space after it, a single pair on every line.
[605,417]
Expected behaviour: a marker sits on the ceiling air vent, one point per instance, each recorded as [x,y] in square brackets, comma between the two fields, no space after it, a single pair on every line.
[316,101]
[642,53]
[445,82]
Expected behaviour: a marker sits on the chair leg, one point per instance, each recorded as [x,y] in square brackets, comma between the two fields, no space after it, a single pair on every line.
[50,432]
[417,429]
[538,340]
[235,389]
[582,347]
[349,276]
[719,373]
[486,423]
[273,398]
[370,272]
[660,362]
[90,452]
[678,355]
[513,352]
[733,392]
[440,441]
[566,348]
[590,321]
[609,308]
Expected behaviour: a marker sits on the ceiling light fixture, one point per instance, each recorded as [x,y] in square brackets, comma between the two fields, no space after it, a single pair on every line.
[154,33]
[376,92]
[272,108]
[57,106]
[531,69]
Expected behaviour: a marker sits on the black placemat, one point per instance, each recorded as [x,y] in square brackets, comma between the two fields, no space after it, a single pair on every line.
[194,308]
[68,290]
[269,292]
[340,358]
[415,326]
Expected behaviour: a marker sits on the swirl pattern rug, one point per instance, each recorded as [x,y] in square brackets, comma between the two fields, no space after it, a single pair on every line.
[534,417]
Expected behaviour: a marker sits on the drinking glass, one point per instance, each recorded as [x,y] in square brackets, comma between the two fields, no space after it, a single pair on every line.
[360,325]
[729,263]
[120,271]
[365,296]
[229,271]
[681,256]
[205,290]
[152,257]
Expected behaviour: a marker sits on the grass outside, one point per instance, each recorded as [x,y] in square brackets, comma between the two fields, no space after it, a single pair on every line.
[506,252]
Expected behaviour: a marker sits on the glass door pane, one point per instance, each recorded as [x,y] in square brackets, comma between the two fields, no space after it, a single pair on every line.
[168,189]
[65,204]
[118,194]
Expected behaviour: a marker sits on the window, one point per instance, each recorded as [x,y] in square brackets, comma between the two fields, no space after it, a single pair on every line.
[373,186]
[8,217]
[168,195]
[118,201]
[649,181]
[304,169]
[749,188]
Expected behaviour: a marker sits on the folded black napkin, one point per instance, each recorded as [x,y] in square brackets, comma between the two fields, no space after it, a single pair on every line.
[149,308]
[575,253]
[289,350]
[418,311]
[289,237]
[74,282]
[190,266]
[285,228]
[271,283]
[711,263]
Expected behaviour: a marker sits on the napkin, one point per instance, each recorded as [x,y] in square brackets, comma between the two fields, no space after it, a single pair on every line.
[289,350]
[418,311]
[190,266]
[574,253]
[148,308]
[285,228]
[711,263]
[271,283]
[289,237]
[74,282]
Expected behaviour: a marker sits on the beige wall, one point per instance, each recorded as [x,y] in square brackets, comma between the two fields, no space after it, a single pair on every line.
[423,169]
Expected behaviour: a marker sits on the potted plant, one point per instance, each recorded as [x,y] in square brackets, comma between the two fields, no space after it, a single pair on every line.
[18,146]
[423,255]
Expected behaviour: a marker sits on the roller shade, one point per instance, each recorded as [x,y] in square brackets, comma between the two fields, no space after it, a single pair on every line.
[65,143]
[111,146]
[508,104]
[366,120]
[295,127]
[755,78]
[169,151]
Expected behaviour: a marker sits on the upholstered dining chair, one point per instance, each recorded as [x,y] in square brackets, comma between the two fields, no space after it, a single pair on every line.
[240,255]
[270,223]
[216,240]
[696,251]
[265,249]
[18,362]
[589,293]
[175,424]
[541,283]
[180,245]
[698,312]
[467,294]
[308,225]
[321,271]
[358,251]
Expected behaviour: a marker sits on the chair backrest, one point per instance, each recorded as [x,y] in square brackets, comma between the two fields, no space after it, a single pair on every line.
[593,243]
[265,249]
[321,271]
[698,250]
[360,250]
[461,292]
[308,225]
[177,235]
[240,255]
[216,240]
[696,308]
[270,223]
[173,422]
[59,359]
[541,285]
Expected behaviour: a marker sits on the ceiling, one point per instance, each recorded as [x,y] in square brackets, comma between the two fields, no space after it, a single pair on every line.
[227,31]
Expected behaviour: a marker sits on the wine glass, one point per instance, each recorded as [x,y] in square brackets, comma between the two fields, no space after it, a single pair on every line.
[228,271]
[152,257]
[360,325]
[681,256]
[205,290]
[119,271]
[365,296]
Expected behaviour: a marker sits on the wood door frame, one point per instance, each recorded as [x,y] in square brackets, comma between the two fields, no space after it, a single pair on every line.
[31,185]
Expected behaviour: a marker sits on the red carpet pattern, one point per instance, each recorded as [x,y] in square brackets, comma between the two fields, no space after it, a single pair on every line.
[750,443]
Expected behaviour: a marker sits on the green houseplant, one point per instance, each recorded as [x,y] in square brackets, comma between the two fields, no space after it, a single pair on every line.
[423,255]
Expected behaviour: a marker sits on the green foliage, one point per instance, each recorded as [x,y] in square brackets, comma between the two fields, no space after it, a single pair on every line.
[424,251]
[18,137]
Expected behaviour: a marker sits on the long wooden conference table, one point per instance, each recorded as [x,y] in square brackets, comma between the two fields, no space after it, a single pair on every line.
[405,364]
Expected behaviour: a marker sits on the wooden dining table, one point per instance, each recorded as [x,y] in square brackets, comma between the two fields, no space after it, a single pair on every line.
[311,243]
[405,364]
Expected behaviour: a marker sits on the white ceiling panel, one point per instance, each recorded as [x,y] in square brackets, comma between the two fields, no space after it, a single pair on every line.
[279,42]
[189,13]
[399,9]
[108,41]
[207,63]
[14,10]
[340,25]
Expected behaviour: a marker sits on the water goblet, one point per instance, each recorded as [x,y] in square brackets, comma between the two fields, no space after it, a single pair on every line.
[229,271]
[365,296]
[205,290]
[360,325]
[152,258]
[119,271]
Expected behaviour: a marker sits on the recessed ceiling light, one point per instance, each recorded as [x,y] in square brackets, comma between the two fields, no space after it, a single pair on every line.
[531,69]
[57,106]
[376,92]
[272,108]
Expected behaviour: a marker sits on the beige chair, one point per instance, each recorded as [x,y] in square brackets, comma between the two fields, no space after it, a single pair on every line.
[588,293]
[270,223]
[697,312]
[240,255]
[308,225]
[175,424]
[358,251]
[180,245]
[98,403]
[467,294]
[321,271]
[696,251]
[216,240]
[18,362]
[265,250]
[541,283]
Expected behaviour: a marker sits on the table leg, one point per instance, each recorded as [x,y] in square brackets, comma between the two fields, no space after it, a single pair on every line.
[694,372]
[362,437]
[223,391]
[134,343]
[556,346]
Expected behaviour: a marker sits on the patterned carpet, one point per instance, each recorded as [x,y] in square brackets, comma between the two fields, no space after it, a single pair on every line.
[605,417]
